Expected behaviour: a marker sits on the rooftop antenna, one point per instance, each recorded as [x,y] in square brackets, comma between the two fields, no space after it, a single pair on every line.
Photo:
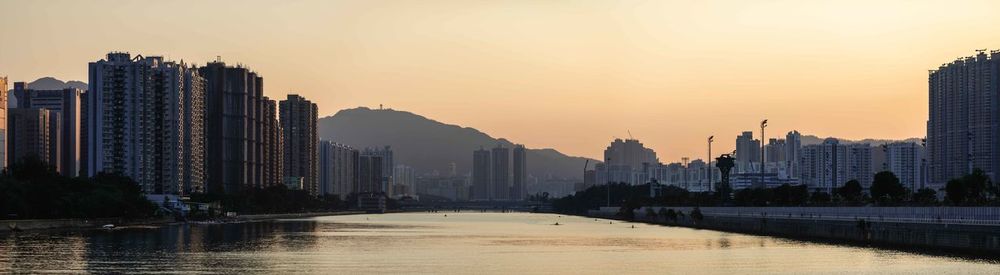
[629,134]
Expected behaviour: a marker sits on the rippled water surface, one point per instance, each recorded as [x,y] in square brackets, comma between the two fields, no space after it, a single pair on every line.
[459,243]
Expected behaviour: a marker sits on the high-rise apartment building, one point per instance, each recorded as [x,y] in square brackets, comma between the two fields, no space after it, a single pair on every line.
[964,118]
[65,103]
[298,121]
[33,133]
[370,179]
[272,145]
[793,146]
[520,172]
[3,122]
[388,164]
[234,129]
[481,176]
[747,152]
[829,165]
[500,168]
[137,123]
[404,180]
[904,159]
[624,162]
[336,168]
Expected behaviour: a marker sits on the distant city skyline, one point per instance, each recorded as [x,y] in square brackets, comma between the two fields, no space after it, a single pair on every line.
[577,73]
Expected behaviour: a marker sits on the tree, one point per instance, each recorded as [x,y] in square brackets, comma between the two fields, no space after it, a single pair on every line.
[955,191]
[925,197]
[851,191]
[975,186]
[820,197]
[887,189]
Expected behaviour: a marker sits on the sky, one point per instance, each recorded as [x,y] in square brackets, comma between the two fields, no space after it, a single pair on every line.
[568,75]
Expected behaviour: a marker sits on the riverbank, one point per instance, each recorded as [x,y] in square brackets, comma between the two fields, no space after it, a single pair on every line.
[8,226]
[975,239]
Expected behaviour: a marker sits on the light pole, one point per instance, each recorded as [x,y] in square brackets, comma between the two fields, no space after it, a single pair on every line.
[763,124]
[709,159]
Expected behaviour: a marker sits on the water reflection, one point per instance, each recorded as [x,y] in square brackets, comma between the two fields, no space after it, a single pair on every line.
[493,243]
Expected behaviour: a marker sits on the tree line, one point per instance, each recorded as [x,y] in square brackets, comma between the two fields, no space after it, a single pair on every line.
[32,189]
[975,189]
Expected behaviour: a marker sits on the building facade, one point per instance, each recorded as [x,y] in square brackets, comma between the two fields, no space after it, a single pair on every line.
[964,118]
[337,165]
[520,173]
[500,176]
[67,105]
[234,147]
[830,165]
[482,185]
[3,122]
[137,111]
[298,121]
[904,159]
[747,152]
[33,133]
[624,161]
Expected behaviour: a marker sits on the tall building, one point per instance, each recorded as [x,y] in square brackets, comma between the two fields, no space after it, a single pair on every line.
[964,118]
[137,109]
[3,122]
[624,162]
[336,168]
[388,163]
[234,118]
[500,168]
[272,145]
[481,175]
[404,180]
[747,152]
[66,103]
[520,180]
[904,159]
[774,151]
[793,145]
[33,132]
[829,165]
[370,179]
[298,120]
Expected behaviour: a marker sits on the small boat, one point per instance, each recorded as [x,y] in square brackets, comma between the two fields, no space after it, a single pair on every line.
[557,223]
[108,226]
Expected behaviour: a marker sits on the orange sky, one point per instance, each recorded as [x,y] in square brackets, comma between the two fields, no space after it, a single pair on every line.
[568,75]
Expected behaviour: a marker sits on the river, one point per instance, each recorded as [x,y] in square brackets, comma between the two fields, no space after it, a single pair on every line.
[450,243]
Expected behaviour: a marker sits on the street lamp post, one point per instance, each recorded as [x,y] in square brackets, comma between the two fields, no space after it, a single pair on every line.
[709,160]
[763,124]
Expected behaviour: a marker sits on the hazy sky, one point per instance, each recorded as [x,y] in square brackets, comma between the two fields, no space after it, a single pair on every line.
[569,75]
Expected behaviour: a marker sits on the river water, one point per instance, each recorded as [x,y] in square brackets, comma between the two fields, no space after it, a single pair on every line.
[450,243]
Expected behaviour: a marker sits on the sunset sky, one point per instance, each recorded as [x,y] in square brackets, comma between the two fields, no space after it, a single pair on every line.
[569,75]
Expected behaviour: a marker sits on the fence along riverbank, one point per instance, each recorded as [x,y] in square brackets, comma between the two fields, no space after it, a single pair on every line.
[967,230]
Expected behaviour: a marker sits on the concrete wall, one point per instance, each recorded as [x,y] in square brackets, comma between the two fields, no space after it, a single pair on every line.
[978,237]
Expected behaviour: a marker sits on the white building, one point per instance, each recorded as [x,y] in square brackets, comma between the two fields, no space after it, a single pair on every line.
[905,159]
[625,161]
[829,165]
[336,169]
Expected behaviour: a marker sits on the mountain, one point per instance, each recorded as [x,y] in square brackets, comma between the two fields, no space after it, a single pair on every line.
[428,145]
[811,139]
[51,83]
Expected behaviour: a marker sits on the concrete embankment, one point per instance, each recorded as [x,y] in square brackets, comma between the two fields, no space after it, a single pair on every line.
[260,217]
[966,236]
[20,225]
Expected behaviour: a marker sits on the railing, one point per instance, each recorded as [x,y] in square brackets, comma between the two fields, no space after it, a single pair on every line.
[929,215]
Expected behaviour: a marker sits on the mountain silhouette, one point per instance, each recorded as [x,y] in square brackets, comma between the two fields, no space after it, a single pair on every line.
[51,83]
[428,145]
